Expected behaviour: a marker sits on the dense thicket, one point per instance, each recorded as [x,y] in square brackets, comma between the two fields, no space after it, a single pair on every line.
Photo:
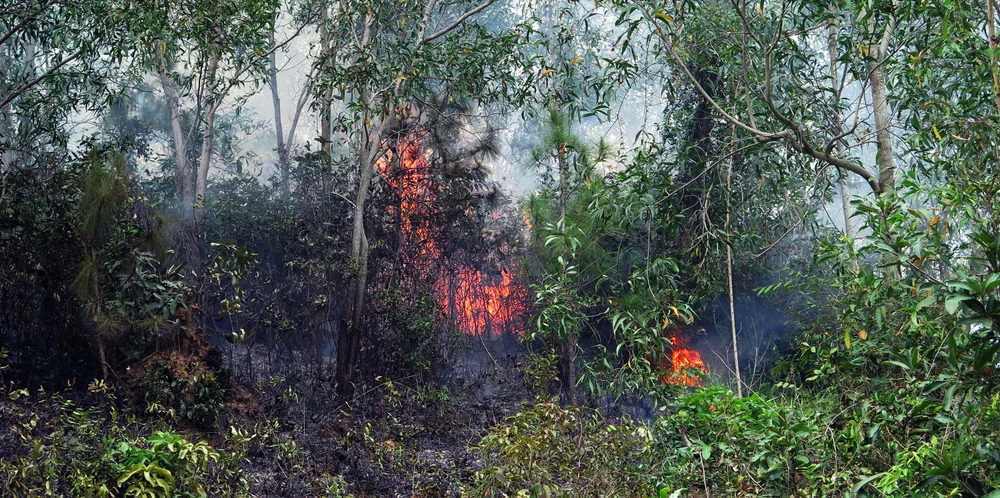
[202,294]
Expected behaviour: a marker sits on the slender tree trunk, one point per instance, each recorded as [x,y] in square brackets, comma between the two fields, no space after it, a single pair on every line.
[991,12]
[8,157]
[207,141]
[729,277]
[845,204]
[325,108]
[878,55]
[185,185]
[886,167]
[845,190]
[567,345]
[9,144]
[102,357]
[283,162]
[567,366]
[349,335]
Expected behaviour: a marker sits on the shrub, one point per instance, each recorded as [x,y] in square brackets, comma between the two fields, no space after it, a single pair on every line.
[184,389]
[547,450]
[68,450]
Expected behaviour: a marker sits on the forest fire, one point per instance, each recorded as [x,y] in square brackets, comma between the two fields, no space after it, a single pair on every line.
[688,368]
[479,302]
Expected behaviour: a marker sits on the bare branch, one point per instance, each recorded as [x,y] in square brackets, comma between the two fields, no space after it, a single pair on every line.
[303,98]
[451,27]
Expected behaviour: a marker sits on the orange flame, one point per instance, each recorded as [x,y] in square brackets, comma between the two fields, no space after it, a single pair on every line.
[478,302]
[688,368]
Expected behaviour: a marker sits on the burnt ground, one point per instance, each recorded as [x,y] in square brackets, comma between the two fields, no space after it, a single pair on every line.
[398,437]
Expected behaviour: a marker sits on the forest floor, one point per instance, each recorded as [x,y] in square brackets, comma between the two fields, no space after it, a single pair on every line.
[395,438]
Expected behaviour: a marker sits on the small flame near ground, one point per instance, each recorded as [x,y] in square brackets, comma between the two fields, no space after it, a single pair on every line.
[477,301]
[688,368]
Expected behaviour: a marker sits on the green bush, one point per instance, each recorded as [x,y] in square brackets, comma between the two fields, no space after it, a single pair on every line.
[184,389]
[68,450]
[166,465]
[547,450]
[737,446]
[910,442]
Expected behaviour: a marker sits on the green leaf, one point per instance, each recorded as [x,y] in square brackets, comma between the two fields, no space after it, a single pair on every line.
[952,303]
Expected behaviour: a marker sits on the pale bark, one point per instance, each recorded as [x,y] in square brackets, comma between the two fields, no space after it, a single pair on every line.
[185,190]
[325,108]
[877,53]
[9,155]
[886,166]
[845,204]
[845,190]
[207,138]
[283,163]
[349,336]
[729,278]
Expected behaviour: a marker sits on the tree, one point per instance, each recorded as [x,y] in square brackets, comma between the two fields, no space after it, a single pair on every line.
[53,62]
[772,53]
[285,139]
[200,52]
[121,284]
[104,194]
[383,60]
[563,156]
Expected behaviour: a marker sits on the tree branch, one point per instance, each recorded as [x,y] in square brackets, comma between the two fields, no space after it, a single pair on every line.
[13,95]
[793,137]
[451,27]
[17,28]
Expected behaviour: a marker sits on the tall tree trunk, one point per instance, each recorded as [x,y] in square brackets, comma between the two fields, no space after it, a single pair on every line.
[325,108]
[185,185]
[567,345]
[838,123]
[729,274]
[188,252]
[877,57]
[8,155]
[349,334]
[207,140]
[886,167]
[283,162]
[991,12]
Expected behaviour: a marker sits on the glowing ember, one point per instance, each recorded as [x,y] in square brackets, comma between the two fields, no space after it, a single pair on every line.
[479,302]
[688,368]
